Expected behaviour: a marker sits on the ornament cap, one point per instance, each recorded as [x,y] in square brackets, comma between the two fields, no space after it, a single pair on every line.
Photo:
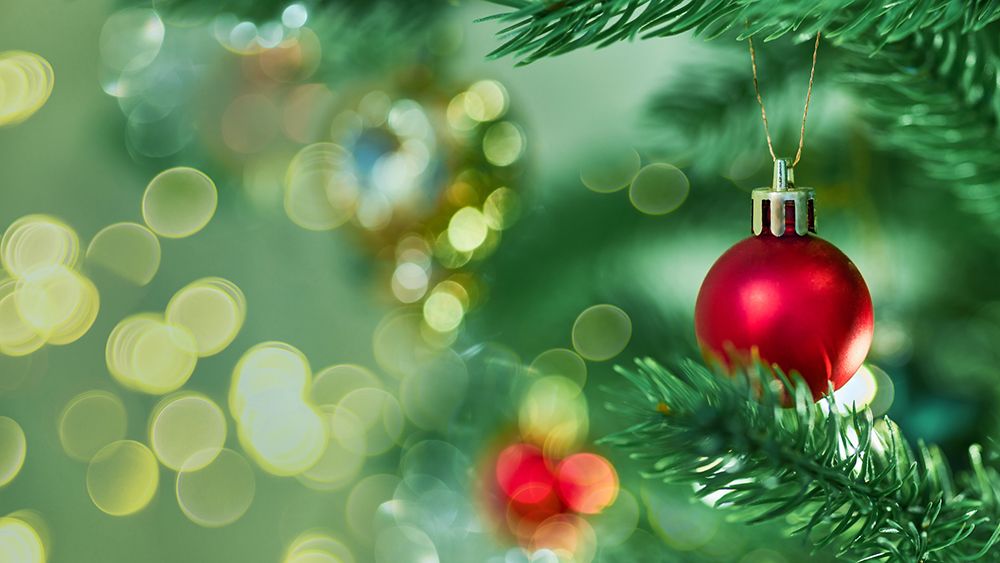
[783,209]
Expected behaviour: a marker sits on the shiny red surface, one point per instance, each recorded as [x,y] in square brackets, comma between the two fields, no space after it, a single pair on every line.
[797,301]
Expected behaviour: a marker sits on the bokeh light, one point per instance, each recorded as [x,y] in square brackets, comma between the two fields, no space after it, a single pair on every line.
[145,353]
[17,337]
[568,536]
[19,542]
[321,192]
[344,453]
[122,478]
[601,332]
[433,393]
[503,143]
[57,303]
[278,425]
[404,544]
[869,387]
[13,449]
[131,38]
[616,523]
[186,426]
[587,482]
[467,229]
[486,100]
[179,202]
[268,368]
[215,487]
[212,309]
[502,208]
[611,169]
[364,499]
[90,421]
[26,81]
[316,541]
[128,250]
[294,16]
[36,241]
[381,416]
[443,311]
[553,413]
[334,383]
[659,189]
[560,361]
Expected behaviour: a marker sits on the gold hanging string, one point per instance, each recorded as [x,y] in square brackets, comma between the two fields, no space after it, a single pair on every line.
[805,111]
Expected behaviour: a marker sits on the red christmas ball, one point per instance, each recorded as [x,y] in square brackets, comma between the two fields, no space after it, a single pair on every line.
[793,300]
[527,483]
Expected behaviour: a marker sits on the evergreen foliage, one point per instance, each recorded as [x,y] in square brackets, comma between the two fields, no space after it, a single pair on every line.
[926,72]
[843,480]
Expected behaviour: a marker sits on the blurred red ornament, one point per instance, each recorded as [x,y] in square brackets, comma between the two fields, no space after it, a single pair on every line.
[785,296]
[527,483]
[587,483]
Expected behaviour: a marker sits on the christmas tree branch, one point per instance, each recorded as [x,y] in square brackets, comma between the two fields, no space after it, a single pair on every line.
[837,476]
[935,97]
[542,28]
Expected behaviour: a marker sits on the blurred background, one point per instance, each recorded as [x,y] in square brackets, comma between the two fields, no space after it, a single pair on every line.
[321,282]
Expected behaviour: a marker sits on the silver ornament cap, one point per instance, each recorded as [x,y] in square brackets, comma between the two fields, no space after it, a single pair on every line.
[783,209]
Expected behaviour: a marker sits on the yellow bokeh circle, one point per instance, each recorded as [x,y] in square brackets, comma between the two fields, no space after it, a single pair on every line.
[13,449]
[212,309]
[35,241]
[659,189]
[90,421]
[343,455]
[19,542]
[314,541]
[380,414]
[467,229]
[179,202]
[184,425]
[57,303]
[215,488]
[17,337]
[284,435]
[128,250]
[145,353]
[26,82]
[334,383]
[122,478]
[264,370]
[321,191]
[601,332]
[560,361]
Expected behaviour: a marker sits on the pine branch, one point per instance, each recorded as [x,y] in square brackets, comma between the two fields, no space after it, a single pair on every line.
[842,480]
[542,28]
[935,96]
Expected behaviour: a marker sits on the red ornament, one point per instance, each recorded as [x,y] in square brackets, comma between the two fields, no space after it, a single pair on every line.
[527,483]
[786,296]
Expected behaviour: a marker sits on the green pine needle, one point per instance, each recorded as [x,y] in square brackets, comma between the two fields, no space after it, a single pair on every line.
[542,28]
[841,479]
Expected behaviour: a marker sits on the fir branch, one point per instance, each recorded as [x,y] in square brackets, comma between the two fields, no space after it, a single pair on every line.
[843,480]
[935,97]
[542,28]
